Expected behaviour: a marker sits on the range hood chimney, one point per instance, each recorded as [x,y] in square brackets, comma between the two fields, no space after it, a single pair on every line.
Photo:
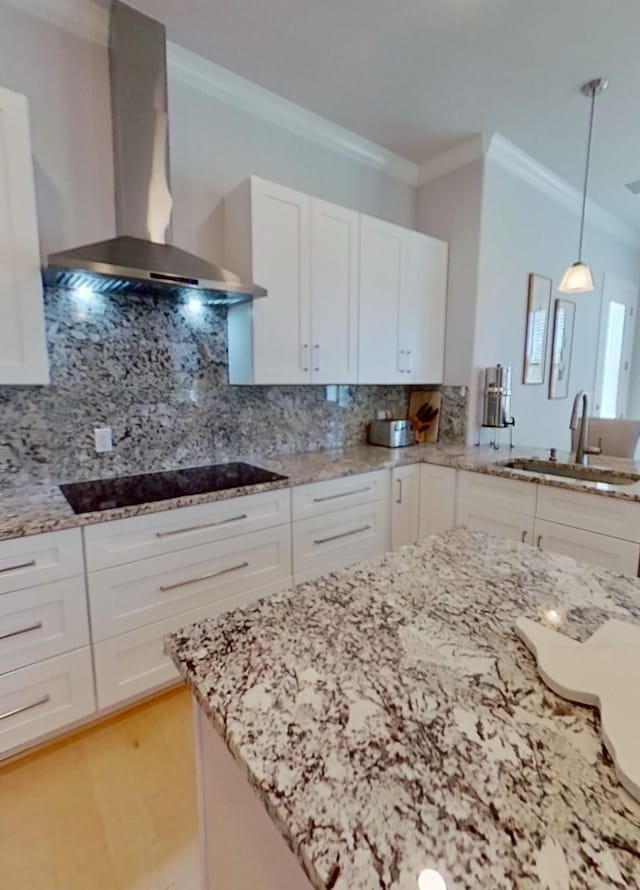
[141,259]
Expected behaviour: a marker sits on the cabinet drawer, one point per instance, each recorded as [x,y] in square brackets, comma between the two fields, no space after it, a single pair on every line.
[593,512]
[45,697]
[326,543]
[501,523]
[134,663]
[589,547]
[139,593]
[497,494]
[37,559]
[141,537]
[339,494]
[43,621]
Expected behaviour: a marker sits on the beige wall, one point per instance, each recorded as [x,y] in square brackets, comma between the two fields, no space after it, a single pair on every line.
[450,207]
[213,145]
[526,231]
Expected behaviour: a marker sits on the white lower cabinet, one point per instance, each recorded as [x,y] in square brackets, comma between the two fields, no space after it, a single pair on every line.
[138,593]
[405,505]
[437,499]
[45,697]
[183,566]
[589,547]
[502,523]
[591,528]
[336,540]
[41,622]
[611,516]
[134,663]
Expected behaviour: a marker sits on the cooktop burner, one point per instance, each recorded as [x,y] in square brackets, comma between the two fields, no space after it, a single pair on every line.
[127,491]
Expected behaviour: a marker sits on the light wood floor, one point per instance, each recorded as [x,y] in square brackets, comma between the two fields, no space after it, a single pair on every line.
[111,808]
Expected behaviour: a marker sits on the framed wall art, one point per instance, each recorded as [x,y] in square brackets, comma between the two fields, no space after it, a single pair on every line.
[561,347]
[538,311]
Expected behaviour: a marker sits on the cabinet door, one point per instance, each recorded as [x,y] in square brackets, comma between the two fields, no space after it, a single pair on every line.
[502,523]
[381,284]
[280,228]
[589,547]
[23,352]
[422,308]
[405,505]
[437,499]
[334,293]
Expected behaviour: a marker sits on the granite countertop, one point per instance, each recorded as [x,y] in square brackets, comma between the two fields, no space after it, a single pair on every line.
[41,507]
[390,720]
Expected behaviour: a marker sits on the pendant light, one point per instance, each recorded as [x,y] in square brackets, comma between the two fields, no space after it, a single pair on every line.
[578,278]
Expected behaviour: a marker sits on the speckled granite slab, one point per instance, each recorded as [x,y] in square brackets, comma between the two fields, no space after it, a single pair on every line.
[390,721]
[32,509]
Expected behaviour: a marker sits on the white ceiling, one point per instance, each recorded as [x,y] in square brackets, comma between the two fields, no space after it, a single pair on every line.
[419,76]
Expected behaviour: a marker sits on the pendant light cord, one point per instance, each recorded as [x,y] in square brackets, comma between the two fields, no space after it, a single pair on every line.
[586,172]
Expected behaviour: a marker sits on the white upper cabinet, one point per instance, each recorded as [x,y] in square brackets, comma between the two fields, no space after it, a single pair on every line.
[382,252]
[335,268]
[268,234]
[23,351]
[423,308]
[350,298]
[403,291]
[305,252]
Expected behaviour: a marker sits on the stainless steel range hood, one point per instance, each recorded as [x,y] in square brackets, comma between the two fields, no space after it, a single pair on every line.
[140,260]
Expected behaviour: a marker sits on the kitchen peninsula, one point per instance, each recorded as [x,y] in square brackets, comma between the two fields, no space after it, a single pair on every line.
[389,721]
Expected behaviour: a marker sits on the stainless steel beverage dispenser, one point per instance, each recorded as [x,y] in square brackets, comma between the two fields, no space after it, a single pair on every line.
[496,401]
[496,405]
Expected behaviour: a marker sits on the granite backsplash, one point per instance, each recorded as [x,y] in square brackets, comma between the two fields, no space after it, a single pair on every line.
[155,371]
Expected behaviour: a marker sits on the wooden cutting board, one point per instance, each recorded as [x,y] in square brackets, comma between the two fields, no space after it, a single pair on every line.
[424,414]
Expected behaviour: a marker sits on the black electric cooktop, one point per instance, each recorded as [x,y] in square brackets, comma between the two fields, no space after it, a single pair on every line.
[127,491]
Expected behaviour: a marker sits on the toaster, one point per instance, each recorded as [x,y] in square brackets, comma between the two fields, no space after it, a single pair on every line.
[391,433]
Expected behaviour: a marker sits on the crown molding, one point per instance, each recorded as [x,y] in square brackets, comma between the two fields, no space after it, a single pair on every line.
[91,22]
[516,161]
[473,149]
[220,83]
[495,149]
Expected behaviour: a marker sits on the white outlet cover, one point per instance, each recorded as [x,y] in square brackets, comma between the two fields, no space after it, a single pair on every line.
[103,439]
[604,672]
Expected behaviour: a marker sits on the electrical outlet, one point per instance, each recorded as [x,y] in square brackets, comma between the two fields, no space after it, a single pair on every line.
[331,393]
[103,439]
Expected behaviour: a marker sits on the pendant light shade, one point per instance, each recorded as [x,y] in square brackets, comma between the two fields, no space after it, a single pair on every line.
[578,278]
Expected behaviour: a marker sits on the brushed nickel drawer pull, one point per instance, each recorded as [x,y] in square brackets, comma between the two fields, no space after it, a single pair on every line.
[198,528]
[23,630]
[355,531]
[343,494]
[539,544]
[22,565]
[523,537]
[21,710]
[165,587]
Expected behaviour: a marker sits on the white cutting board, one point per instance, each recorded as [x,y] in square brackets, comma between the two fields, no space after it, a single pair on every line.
[604,671]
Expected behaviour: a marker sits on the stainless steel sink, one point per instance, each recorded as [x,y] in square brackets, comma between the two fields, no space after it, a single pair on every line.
[573,471]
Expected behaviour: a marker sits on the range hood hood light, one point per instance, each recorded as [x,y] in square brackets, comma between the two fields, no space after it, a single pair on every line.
[139,260]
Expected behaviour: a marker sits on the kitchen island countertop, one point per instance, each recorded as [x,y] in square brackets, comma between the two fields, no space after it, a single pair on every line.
[389,720]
